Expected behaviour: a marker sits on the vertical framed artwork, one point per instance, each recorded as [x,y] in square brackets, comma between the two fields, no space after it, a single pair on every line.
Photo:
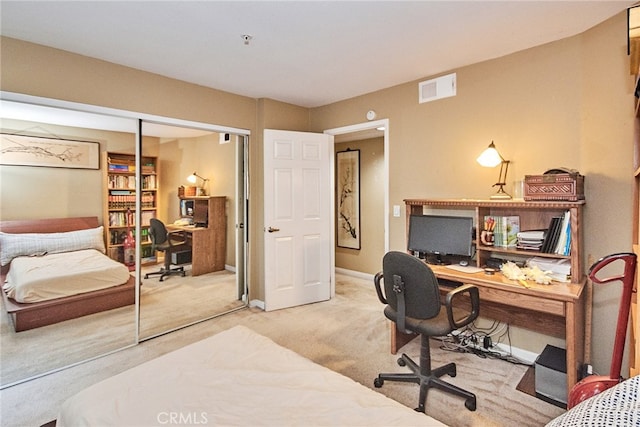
[24,150]
[348,199]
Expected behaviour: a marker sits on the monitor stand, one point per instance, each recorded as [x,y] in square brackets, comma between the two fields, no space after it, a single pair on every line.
[436,259]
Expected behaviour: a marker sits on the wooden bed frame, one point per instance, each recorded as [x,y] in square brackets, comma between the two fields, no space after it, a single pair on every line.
[34,315]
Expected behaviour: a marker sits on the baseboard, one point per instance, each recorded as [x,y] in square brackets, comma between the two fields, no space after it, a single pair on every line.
[526,356]
[230,268]
[256,303]
[356,274]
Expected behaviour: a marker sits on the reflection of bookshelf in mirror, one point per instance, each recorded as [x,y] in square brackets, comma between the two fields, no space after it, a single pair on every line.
[119,191]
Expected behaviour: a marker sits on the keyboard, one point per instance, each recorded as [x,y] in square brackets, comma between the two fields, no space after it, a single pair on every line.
[464,268]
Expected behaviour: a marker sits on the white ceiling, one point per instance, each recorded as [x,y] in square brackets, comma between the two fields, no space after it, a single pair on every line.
[302,52]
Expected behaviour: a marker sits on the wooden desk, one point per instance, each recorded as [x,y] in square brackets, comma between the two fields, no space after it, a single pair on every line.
[204,256]
[208,244]
[557,310]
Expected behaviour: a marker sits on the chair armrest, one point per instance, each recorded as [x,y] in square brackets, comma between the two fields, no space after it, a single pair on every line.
[172,235]
[474,296]
[376,280]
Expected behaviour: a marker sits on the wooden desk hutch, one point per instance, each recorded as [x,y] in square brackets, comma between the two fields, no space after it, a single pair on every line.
[557,309]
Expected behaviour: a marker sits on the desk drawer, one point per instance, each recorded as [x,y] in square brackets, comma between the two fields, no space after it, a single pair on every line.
[519,300]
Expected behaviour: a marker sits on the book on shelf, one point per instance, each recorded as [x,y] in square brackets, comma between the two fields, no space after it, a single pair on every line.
[558,237]
[565,231]
[505,231]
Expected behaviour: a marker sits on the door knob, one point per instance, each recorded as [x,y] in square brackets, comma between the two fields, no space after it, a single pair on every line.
[271,229]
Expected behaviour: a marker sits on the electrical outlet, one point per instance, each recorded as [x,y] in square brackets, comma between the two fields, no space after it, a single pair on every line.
[396,211]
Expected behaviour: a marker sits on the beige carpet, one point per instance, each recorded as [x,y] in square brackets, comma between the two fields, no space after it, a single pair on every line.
[166,305]
[348,334]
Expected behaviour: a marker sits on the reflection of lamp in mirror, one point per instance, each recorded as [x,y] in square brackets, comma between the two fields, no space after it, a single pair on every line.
[491,158]
[193,178]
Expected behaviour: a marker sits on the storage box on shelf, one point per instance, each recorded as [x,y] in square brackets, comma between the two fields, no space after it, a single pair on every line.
[561,186]
[120,197]
[533,215]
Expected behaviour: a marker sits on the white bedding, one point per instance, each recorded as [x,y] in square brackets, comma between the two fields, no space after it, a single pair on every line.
[236,377]
[40,278]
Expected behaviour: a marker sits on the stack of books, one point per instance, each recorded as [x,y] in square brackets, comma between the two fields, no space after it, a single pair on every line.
[531,240]
[558,236]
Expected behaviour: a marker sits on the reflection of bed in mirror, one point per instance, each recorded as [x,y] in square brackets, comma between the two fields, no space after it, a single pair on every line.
[65,254]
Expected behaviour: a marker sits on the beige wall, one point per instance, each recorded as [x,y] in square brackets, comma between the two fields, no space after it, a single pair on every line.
[568,103]
[37,192]
[368,258]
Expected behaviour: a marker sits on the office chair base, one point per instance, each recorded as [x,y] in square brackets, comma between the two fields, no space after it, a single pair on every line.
[427,379]
[163,272]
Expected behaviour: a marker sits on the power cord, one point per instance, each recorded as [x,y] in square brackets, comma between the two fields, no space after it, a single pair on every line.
[479,341]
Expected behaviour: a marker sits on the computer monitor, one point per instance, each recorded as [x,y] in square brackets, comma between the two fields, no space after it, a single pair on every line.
[440,236]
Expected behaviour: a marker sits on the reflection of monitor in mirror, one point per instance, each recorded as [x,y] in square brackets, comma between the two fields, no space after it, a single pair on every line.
[439,237]
[186,208]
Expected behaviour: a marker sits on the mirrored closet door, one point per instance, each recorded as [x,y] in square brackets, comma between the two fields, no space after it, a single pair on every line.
[49,184]
[198,192]
[142,170]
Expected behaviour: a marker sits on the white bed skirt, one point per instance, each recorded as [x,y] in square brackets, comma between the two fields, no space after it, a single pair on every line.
[236,377]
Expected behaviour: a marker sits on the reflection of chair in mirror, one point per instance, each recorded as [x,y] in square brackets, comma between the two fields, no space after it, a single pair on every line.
[170,243]
[413,302]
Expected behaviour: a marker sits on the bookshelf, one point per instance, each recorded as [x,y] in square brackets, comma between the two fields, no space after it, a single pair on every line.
[120,197]
[533,215]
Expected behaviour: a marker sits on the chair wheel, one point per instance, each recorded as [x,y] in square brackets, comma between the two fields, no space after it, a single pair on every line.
[470,404]
[402,362]
[378,382]
[453,372]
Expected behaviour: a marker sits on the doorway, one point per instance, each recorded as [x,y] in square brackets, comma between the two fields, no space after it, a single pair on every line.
[360,135]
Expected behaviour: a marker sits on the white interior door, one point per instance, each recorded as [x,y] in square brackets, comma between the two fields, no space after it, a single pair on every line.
[297,217]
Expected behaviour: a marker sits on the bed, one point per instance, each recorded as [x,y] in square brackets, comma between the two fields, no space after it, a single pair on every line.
[237,377]
[616,406]
[28,244]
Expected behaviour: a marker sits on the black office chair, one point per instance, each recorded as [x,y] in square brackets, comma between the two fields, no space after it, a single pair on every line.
[165,241]
[413,303]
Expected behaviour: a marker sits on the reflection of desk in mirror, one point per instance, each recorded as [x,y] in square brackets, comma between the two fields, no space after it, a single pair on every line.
[207,235]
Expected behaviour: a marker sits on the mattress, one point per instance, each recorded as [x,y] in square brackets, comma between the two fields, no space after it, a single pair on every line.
[236,377]
[41,278]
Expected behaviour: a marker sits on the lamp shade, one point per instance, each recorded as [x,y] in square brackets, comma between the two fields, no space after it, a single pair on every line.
[192,178]
[490,157]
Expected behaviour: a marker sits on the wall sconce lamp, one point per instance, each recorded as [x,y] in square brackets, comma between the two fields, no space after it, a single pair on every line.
[491,158]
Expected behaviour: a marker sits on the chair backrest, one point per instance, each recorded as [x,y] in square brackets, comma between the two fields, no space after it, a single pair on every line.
[157,231]
[421,293]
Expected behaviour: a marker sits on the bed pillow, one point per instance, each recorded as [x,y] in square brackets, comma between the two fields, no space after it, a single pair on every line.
[31,244]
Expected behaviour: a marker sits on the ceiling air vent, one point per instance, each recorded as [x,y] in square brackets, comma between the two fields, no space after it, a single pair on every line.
[438,88]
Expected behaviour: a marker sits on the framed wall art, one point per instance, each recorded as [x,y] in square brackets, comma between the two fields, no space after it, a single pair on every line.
[348,199]
[22,150]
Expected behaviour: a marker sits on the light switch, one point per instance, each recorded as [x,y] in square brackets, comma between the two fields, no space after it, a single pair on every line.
[396,211]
